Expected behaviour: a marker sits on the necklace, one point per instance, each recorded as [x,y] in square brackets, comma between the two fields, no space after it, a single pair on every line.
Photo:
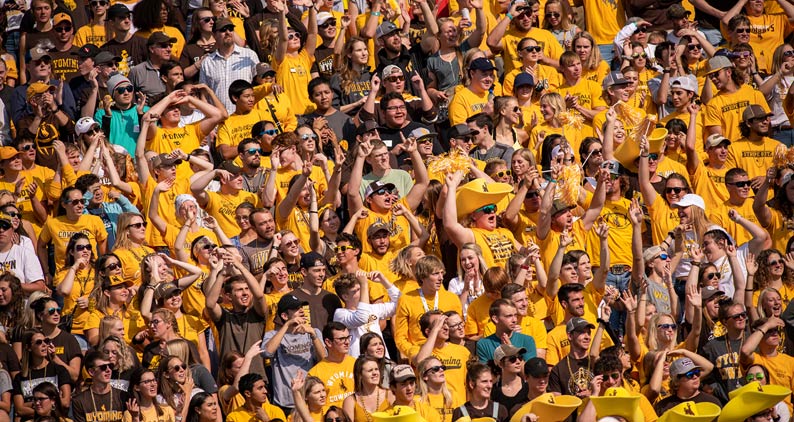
[733,358]
[580,380]
[367,413]
[93,401]
[424,302]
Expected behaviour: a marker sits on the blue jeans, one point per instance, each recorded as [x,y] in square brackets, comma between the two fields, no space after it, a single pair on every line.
[786,136]
[607,52]
[618,318]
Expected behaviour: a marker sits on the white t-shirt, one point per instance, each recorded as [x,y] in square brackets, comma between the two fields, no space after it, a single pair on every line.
[22,262]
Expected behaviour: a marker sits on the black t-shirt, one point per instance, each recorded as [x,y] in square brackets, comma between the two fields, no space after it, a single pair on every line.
[511,403]
[324,61]
[66,346]
[491,409]
[132,52]
[54,374]
[671,401]
[321,306]
[107,407]
[238,331]
[9,359]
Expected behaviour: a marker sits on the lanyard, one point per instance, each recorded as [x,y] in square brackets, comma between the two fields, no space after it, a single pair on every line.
[424,302]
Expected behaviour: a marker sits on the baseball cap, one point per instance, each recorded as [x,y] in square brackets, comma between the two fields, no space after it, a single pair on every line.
[61,17]
[367,126]
[164,160]
[222,23]
[559,206]
[289,302]
[677,11]
[114,281]
[389,70]
[231,167]
[716,139]
[614,78]
[37,53]
[376,186]
[461,130]
[116,80]
[118,10]
[612,165]
[689,200]
[105,57]
[312,259]
[402,373]
[576,324]
[717,63]
[165,290]
[322,17]
[385,28]
[754,111]
[377,227]
[482,64]
[682,366]
[536,367]
[86,51]
[709,292]
[422,133]
[507,350]
[37,88]
[264,68]
[83,125]
[160,37]
[686,82]
[652,252]
[523,79]
[8,152]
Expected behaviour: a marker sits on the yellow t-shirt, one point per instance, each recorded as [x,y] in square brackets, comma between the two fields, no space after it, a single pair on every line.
[454,357]
[545,74]
[589,95]
[171,233]
[185,138]
[40,175]
[280,112]
[725,110]
[241,414]
[604,20]
[549,245]
[545,39]
[719,216]
[410,308]
[699,138]
[601,118]
[238,127]
[525,229]
[82,287]
[166,208]
[667,167]
[272,299]
[434,404]
[598,74]
[370,262]
[59,230]
[131,318]
[767,32]
[465,103]
[284,175]
[222,207]
[338,379]
[399,229]
[664,217]
[709,183]
[131,260]
[294,74]
[91,34]
[297,221]
[150,414]
[616,215]
[781,371]
[176,48]
[754,157]
[558,346]
[477,316]
[781,229]
[497,245]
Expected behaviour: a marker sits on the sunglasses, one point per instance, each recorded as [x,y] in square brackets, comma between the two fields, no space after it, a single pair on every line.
[99,3]
[229,28]
[382,191]
[488,209]
[293,35]
[691,374]
[307,136]
[664,256]
[398,78]
[516,109]
[13,214]
[742,30]
[104,367]
[653,157]
[26,147]
[254,151]
[614,176]
[41,341]
[80,248]
[125,89]
[435,369]
[666,326]
[329,22]
[165,45]
[291,243]
[138,225]
[741,54]
[674,190]
[641,30]
[615,376]
[336,419]
[271,132]
[343,248]
[757,377]
[533,49]
[788,53]
[512,359]
[209,246]
[533,194]
[178,367]
[712,276]
[5,225]
[52,311]
[638,55]
[112,267]
[60,29]
[741,184]
[693,47]
[740,315]
[554,15]
[502,173]
[775,263]
[425,141]
[208,19]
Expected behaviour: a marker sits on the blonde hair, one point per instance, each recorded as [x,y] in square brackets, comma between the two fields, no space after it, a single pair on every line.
[125,359]
[481,265]
[653,331]
[594,59]
[760,307]
[122,230]
[557,103]
[564,22]
[422,384]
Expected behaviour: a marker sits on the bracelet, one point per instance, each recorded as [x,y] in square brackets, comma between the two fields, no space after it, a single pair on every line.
[749,290]
[312,212]
[645,156]
[667,71]
[750,275]
[187,157]
[601,321]
[509,16]
[375,13]
[696,264]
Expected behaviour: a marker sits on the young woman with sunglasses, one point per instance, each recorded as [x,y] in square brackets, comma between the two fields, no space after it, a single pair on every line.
[293,56]
[163,327]
[94,31]
[23,233]
[121,356]
[176,385]
[557,21]
[111,296]
[200,44]
[142,405]
[63,349]
[774,270]
[434,397]
[369,397]
[765,345]
[38,367]
[130,245]
[76,282]
[508,123]
[47,403]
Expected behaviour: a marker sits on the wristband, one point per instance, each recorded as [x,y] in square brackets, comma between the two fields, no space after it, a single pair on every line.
[695,264]
[749,290]
[375,13]
[187,157]
[667,71]
[644,156]
[601,321]
[509,16]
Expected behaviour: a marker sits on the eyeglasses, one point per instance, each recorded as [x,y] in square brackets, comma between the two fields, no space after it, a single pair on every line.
[229,28]
[293,35]
[533,49]
[125,89]
[712,276]
[653,157]
[112,267]
[99,3]
[329,22]
[307,136]
[41,341]
[138,225]
[254,151]
[554,15]
[343,339]
[675,190]
[691,374]
[742,30]
[775,262]
[502,173]
[149,381]
[615,376]
[454,326]
[53,311]
[741,184]
[740,315]
[693,47]
[60,29]
[207,19]
[209,246]
[396,108]
[666,326]
[165,45]
[396,78]
[80,248]
[5,225]
[741,54]
[39,399]
[757,377]
[177,368]
[638,55]
[343,248]
[435,369]
[488,209]
[512,359]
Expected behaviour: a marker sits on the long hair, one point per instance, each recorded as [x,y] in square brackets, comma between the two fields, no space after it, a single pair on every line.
[27,359]
[135,379]
[122,233]
[196,402]
[592,61]
[51,391]
[557,103]
[70,248]
[348,75]
[473,372]
[165,384]
[10,313]
[500,103]
[764,293]
[180,348]
[195,28]
[358,376]
[400,266]
[763,275]
[310,382]
[267,39]
[102,301]
[653,331]
[422,388]
[565,23]
[481,266]
[225,376]
[125,359]
[146,15]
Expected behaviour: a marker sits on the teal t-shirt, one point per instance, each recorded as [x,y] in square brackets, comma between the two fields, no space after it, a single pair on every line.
[124,127]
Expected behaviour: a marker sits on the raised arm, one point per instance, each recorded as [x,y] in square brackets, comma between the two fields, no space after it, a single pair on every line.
[354,201]
[457,233]
[735,10]
[760,238]
[762,211]
[154,205]
[291,200]
[495,37]
[416,194]
[695,301]
[213,294]
[280,52]
[692,157]
[752,266]
[553,286]
[646,188]
[632,341]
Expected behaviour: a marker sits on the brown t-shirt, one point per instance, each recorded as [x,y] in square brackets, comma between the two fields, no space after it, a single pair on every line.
[64,64]
[131,52]
[238,331]
[92,407]
[321,307]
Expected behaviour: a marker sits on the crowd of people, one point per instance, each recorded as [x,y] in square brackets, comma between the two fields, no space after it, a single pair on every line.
[383,210]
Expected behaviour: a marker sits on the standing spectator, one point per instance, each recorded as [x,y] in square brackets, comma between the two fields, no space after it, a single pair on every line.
[725,110]
[505,317]
[64,65]
[321,304]
[121,41]
[150,17]
[120,118]
[294,57]
[145,76]
[336,369]
[94,32]
[228,63]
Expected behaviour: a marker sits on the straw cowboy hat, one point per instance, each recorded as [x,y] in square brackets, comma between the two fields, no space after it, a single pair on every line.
[629,150]
[617,401]
[751,399]
[398,414]
[690,411]
[549,408]
[479,193]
